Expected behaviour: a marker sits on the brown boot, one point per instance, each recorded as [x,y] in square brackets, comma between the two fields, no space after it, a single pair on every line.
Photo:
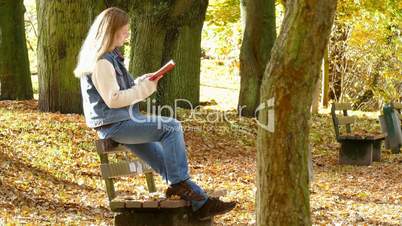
[213,207]
[185,192]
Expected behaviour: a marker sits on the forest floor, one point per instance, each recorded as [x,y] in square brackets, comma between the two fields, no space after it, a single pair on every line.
[49,171]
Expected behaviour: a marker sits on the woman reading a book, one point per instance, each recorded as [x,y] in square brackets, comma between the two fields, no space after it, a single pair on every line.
[110,101]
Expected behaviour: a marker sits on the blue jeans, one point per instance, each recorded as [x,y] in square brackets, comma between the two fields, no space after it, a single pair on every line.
[159,141]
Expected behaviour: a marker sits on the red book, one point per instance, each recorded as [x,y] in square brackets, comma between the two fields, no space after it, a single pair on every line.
[163,70]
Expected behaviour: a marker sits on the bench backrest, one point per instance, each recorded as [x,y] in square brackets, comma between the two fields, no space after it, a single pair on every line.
[344,119]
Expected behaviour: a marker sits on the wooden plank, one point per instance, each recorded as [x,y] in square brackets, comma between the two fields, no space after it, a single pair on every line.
[106,146]
[124,168]
[345,120]
[362,137]
[172,203]
[342,106]
[150,181]
[119,148]
[150,204]
[132,204]
[108,182]
[117,203]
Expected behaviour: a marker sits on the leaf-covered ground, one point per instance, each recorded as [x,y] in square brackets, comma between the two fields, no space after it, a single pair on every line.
[49,171]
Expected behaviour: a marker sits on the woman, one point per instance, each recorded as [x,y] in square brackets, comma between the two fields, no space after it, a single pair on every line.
[110,101]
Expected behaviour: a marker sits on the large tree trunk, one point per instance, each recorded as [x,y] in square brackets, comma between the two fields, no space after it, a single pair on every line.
[164,30]
[62,26]
[15,77]
[287,88]
[258,38]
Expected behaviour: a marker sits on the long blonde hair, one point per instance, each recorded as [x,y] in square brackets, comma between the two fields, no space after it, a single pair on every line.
[100,39]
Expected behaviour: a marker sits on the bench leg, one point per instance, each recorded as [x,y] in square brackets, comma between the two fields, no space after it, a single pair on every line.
[377,150]
[171,217]
[150,182]
[356,152]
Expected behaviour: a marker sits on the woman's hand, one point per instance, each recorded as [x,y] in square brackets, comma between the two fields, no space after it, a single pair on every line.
[146,77]
[152,74]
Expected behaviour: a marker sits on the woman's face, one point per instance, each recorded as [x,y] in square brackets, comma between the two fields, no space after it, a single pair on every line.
[121,35]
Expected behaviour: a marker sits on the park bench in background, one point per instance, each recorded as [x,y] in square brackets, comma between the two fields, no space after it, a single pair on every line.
[391,126]
[357,148]
[131,211]
[398,109]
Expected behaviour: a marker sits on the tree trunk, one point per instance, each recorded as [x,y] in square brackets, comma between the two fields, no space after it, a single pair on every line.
[258,38]
[165,30]
[62,26]
[287,89]
[316,98]
[15,77]
[325,79]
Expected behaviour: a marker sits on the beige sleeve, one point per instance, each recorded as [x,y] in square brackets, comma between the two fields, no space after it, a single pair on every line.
[104,80]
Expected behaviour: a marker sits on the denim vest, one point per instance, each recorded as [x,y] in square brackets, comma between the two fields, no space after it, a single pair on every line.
[96,112]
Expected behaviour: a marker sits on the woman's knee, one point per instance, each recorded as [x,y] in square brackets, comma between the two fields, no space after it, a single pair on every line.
[173,125]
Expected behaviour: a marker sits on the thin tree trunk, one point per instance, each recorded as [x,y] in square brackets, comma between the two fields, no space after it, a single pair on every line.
[167,30]
[258,38]
[15,77]
[287,89]
[325,79]
[316,98]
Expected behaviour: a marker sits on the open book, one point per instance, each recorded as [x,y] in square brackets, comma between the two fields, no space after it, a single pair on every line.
[163,70]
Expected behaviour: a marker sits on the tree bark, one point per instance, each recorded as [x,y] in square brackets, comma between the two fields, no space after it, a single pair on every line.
[316,98]
[258,38]
[62,26]
[287,86]
[164,30]
[15,76]
[325,79]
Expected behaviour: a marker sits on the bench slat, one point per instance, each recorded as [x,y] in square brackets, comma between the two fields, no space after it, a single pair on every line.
[150,204]
[133,204]
[342,106]
[124,168]
[345,120]
[128,203]
[105,146]
[362,137]
[168,203]
[119,148]
[117,204]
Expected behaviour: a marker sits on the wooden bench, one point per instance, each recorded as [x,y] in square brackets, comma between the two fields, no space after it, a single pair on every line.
[356,148]
[398,107]
[131,211]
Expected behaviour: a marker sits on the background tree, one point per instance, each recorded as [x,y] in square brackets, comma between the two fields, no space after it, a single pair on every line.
[164,30]
[364,53]
[15,77]
[62,27]
[258,39]
[290,78]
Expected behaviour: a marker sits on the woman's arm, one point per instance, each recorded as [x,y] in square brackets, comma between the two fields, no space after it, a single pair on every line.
[104,80]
